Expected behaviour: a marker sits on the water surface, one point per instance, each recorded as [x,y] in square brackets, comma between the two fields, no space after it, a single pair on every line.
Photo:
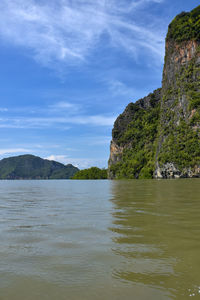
[100,240]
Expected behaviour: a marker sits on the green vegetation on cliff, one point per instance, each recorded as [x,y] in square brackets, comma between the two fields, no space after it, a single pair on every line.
[185,26]
[159,135]
[181,127]
[181,146]
[91,173]
[138,159]
[33,167]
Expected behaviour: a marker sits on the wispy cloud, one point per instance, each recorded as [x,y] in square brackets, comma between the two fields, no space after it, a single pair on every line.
[67,31]
[119,88]
[15,150]
[59,122]
[81,163]
[63,107]
[60,115]
[3,109]
[78,162]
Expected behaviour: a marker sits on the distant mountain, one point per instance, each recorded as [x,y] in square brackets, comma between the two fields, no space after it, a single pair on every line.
[33,167]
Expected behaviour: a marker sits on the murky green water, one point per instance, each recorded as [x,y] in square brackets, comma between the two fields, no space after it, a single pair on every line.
[95,240]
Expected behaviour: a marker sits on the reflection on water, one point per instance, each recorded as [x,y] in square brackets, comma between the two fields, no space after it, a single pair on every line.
[158,225]
[99,240]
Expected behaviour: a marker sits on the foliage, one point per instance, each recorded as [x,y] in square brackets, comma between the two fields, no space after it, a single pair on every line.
[181,146]
[185,26]
[167,135]
[33,167]
[91,173]
[138,159]
[181,118]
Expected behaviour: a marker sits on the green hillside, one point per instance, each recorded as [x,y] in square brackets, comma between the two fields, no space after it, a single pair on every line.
[33,167]
[91,173]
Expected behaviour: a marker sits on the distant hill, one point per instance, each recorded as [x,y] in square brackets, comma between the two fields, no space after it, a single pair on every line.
[33,167]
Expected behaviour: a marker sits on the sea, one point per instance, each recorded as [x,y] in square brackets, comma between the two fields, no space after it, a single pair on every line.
[100,239]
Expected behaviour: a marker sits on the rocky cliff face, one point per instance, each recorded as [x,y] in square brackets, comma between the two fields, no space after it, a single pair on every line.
[159,135]
[133,147]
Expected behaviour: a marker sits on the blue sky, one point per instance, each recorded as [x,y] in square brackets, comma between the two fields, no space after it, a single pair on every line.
[70,67]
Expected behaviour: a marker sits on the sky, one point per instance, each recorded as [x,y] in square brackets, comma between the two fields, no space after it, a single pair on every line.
[70,67]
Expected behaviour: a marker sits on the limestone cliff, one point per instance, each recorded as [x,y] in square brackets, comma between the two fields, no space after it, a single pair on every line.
[133,147]
[159,135]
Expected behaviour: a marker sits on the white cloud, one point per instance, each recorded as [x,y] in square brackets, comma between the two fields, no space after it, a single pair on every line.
[11,126]
[81,163]
[59,122]
[60,158]
[119,88]
[15,150]
[3,109]
[63,107]
[67,31]
[130,5]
